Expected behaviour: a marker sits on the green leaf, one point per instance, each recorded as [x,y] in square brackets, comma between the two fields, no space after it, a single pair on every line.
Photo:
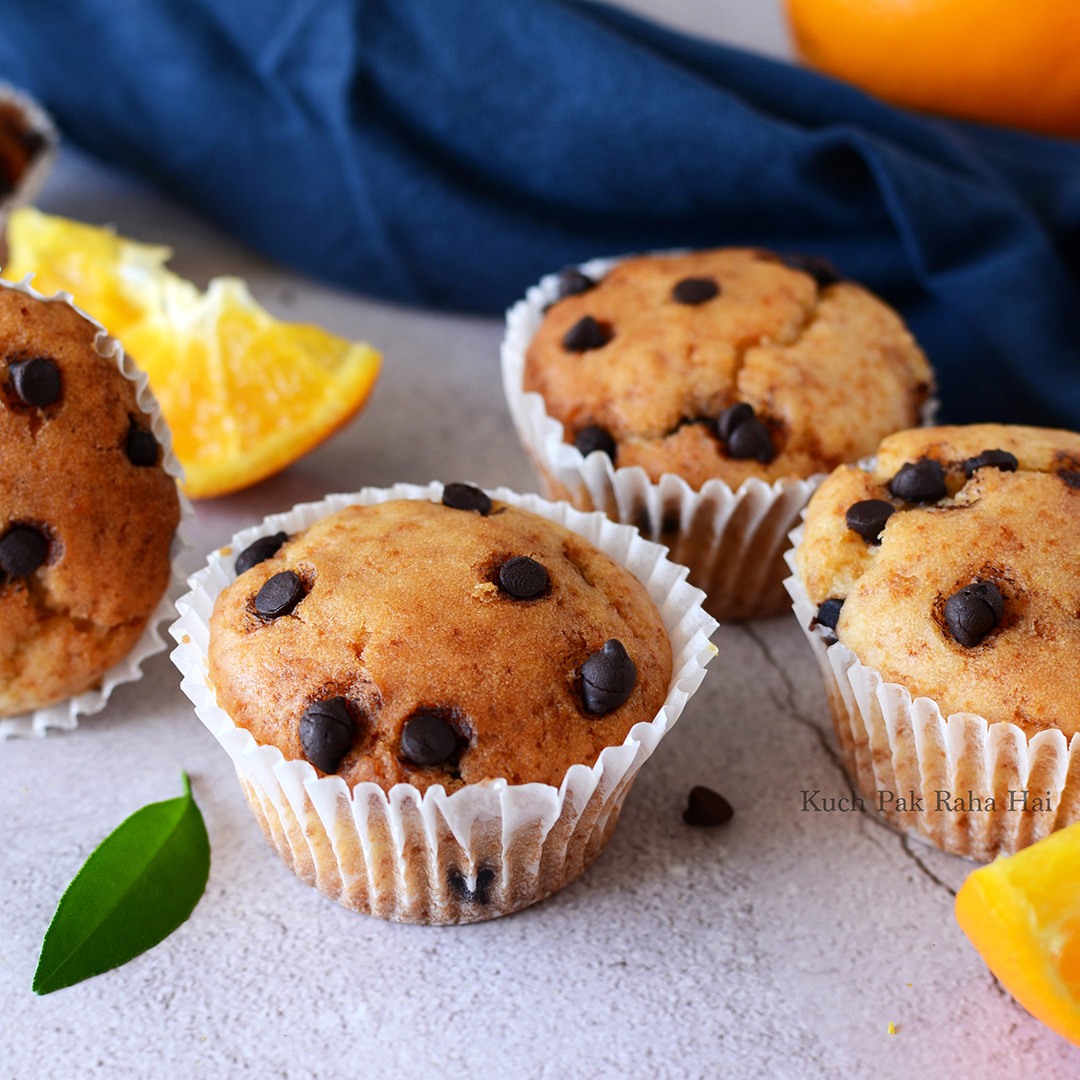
[139,884]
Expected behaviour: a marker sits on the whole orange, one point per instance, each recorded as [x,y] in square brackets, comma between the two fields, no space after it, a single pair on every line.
[1014,62]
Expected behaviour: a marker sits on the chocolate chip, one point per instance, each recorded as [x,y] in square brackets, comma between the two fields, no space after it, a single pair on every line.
[466,497]
[608,678]
[22,550]
[751,439]
[259,551]
[586,334]
[142,447]
[732,417]
[279,595]
[867,518]
[695,290]
[973,612]
[707,807]
[828,612]
[593,438]
[523,578]
[572,282]
[743,435]
[919,482]
[485,878]
[326,733]
[1071,477]
[37,381]
[991,459]
[427,739]
[819,268]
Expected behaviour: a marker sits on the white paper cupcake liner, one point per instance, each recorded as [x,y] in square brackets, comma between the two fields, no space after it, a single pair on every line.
[33,179]
[488,848]
[65,714]
[895,747]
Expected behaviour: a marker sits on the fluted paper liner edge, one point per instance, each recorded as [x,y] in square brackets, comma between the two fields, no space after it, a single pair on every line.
[64,715]
[894,746]
[488,848]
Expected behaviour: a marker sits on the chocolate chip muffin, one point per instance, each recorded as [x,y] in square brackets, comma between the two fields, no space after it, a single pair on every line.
[87,513]
[702,396]
[436,698]
[448,643]
[726,364]
[950,569]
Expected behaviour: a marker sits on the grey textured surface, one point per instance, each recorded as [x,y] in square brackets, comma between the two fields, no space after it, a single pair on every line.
[781,945]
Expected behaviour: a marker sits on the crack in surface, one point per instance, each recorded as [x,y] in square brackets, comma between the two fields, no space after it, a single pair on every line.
[869,816]
[905,844]
[788,702]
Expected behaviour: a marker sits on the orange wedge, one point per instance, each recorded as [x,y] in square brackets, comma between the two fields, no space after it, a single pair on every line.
[244,394]
[1023,915]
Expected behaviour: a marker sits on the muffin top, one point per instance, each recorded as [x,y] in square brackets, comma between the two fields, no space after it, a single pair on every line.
[730,363]
[425,643]
[952,567]
[87,513]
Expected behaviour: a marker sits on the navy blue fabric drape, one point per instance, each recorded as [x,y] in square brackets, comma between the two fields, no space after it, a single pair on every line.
[449,152]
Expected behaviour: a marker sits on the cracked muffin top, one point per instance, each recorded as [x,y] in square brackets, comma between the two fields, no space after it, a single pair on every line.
[951,567]
[730,363]
[425,643]
[87,513]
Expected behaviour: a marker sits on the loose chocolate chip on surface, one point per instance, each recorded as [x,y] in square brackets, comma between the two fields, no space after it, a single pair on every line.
[259,551]
[466,497]
[1071,477]
[819,268]
[919,482]
[485,878]
[586,334]
[279,595]
[991,459]
[608,678]
[22,550]
[593,438]
[326,733]
[142,447]
[707,807]
[695,290]
[973,612]
[867,518]
[37,381]
[828,612]
[523,578]
[427,739]
[732,417]
[572,282]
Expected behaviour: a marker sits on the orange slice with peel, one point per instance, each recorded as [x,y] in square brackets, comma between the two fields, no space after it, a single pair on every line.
[244,393]
[1022,913]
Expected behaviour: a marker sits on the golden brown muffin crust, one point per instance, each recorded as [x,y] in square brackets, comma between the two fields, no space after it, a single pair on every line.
[1019,530]
[64,471]
[402,613]
[829,371]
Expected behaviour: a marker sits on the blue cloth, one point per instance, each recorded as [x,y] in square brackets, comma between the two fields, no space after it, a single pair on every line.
[449,152]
